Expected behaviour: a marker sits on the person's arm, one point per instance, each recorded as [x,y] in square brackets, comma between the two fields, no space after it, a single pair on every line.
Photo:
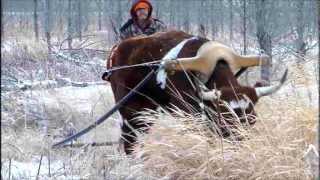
[160,25]
[124,34]
[125,30]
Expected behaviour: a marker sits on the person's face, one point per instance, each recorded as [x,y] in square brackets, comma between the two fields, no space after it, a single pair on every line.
[142,14]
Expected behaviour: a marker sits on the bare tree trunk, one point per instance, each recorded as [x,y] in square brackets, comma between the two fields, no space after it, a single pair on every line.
[263,38]
[202,31]
[244,27]
[318,2]
[2,24]
[79,20]
[171,10]
[301,45]
[221,16]
[69,27]
[48,24]
[35,17]
[119,14]
[213,21]
[245,36]
[201,27]
[186,22]
[231,19]
[99,15]
[318,14]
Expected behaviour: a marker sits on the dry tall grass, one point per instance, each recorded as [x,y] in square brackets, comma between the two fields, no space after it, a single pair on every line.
[273,149]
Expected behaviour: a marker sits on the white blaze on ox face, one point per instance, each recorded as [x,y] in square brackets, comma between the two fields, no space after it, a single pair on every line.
[171,55]
[241,104]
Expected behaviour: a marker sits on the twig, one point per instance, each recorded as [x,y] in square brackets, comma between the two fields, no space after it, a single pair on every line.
[99,50]
[9,168]
[49,169]
[59,83]
[74,37]
[39,167]
[79,145]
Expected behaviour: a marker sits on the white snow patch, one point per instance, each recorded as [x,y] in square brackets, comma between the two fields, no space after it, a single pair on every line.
[29,170]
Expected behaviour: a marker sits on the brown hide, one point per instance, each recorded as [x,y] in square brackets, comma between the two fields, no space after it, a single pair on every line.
[146,49]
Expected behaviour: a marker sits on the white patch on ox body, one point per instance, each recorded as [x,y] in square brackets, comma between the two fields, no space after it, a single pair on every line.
[213,94]
[242,104]
[172,54]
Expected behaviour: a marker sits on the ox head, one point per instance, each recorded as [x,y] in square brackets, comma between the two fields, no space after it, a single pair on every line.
[222,85]
[215,64]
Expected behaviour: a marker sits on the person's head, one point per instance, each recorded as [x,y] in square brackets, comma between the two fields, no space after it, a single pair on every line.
[141,9]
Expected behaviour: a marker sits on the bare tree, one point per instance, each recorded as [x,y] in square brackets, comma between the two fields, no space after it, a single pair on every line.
[2,24]
[264,37]
[35,19]
[301,45]
[213,20]
[118,14]
[186,19]
[244,27]
[79,20]
[201,20]
[171,10]
[221,16]
[69,27]
[231,19]
[47,15]
[99,14]
[318,3]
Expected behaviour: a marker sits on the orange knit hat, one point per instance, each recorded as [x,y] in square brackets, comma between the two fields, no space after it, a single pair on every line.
[141,5]
[138,4]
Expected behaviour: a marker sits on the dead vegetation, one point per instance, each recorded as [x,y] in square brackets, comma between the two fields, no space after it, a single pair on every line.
[273,149]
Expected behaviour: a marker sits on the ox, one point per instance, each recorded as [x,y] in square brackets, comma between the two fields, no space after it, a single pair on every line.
[210,65]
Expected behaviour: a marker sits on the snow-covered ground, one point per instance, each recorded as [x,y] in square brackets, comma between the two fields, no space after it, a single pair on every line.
[29,170]
[85,104]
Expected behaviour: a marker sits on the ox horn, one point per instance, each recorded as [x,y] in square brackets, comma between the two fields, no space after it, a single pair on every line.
[264,91]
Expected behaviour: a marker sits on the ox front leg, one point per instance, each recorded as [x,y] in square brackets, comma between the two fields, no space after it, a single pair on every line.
[131,125]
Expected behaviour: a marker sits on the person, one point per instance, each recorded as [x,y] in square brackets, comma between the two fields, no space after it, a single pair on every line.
[141,21]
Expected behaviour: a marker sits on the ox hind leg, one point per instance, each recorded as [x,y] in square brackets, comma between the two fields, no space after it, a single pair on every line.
[131,125]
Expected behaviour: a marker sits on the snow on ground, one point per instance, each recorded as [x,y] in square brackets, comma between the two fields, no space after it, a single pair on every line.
[29,170]
[85,105]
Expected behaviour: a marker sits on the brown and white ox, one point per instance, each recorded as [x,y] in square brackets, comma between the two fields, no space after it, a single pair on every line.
[210,65]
